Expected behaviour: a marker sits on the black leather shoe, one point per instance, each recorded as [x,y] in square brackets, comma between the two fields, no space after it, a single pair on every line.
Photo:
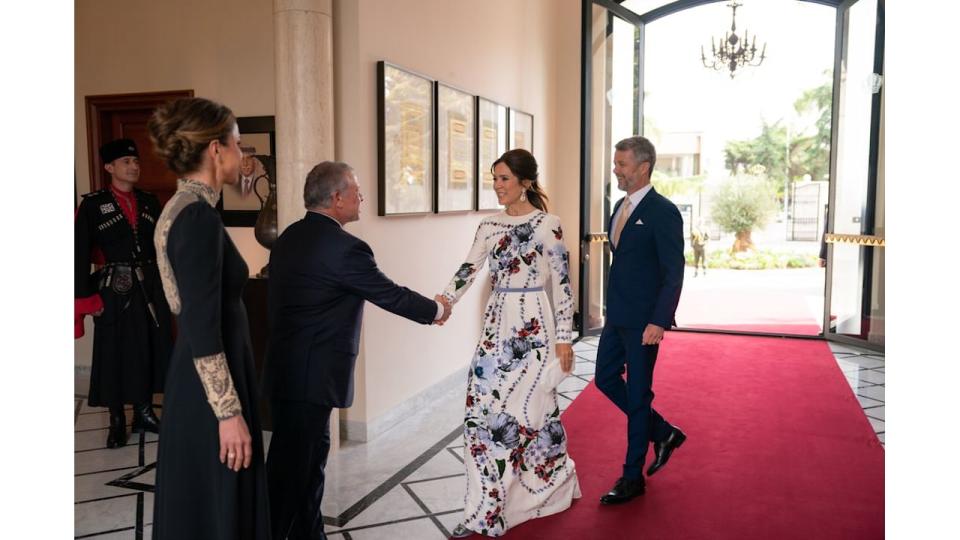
[117,435]
[144,419]
[624,490]
[662,450]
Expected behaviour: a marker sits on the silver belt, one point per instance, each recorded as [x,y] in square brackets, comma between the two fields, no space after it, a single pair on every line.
[517,290]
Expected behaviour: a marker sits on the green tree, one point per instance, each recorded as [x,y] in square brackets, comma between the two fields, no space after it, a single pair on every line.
[669,186]
[815,154]
[768,150]
[741,204]
[808,145]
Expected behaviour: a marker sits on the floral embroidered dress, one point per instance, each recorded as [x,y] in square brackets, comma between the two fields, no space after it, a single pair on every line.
[515,448]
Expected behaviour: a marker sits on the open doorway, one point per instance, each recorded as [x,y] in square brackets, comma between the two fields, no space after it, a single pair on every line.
[749,159]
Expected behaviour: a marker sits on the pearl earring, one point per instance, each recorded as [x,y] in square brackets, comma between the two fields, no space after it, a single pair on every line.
[523,196]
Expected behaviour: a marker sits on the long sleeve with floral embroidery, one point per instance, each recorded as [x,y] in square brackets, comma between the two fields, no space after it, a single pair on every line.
[559,260]
[467,273]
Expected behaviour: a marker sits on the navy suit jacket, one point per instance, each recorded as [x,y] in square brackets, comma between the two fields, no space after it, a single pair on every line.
[647,271]
[320,276]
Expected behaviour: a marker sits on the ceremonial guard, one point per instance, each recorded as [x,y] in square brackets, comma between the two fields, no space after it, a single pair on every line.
[132,338]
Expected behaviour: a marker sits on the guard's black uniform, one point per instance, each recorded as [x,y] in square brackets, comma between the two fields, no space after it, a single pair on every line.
[131,345]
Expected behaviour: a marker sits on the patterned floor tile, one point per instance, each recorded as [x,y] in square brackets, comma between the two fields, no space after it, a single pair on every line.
[397,504]
[587,355]
[442,464]
[440,495]
[876,412]
[418,529]
[873,392]
[868,402]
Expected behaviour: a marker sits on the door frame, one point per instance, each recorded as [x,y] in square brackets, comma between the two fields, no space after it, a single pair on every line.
[99,105]
[588,237]
[868,220]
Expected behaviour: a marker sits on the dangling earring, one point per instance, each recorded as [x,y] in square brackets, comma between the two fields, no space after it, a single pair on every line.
[523,196]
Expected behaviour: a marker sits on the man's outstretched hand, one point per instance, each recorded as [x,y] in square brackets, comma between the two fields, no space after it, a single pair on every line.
[447,310]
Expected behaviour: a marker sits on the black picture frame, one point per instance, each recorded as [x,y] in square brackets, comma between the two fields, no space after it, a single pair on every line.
[423,143]
[511,125]
[442,181]
[248,125]
[484,161]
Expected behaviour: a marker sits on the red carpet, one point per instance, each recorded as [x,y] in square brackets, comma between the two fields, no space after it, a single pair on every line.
[778,448]
[789,328]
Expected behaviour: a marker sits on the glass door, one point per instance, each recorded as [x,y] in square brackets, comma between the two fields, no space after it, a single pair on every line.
[611,106]
[854,307]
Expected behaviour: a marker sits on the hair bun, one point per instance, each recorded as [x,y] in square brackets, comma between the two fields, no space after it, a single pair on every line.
[180,130]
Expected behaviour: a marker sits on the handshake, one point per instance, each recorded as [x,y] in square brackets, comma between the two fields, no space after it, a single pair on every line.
[447,309]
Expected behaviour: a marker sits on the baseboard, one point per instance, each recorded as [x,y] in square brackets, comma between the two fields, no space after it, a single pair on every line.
[355,430]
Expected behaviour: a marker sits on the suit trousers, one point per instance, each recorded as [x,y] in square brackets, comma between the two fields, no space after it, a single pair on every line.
[298,453]
[622,349]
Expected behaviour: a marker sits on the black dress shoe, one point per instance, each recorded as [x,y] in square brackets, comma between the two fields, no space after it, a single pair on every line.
[624,490]
[117,435]
[144,419]
[662,450]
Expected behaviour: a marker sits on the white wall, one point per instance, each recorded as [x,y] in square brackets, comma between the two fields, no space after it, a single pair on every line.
[522,54]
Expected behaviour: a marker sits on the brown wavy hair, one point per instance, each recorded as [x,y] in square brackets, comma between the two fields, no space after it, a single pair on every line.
[182,129]
[524,166]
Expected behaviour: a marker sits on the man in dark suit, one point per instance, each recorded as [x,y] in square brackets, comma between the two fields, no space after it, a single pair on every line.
[320,277]
[646,235]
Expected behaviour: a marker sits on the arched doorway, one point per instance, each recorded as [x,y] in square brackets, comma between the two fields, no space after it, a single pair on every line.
[622,80]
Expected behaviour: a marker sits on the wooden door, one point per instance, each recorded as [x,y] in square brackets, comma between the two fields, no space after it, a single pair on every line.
[119,116]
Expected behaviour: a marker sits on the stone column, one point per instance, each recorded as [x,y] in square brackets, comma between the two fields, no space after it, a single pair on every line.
[303,64]
[303,75]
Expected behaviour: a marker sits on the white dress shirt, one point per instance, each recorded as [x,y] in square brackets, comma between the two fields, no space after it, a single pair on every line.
[634,201]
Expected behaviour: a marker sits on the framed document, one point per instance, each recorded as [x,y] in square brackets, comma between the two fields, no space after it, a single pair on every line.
[492,143]
[521,130]
[240,204]
[405,141]
[456,149]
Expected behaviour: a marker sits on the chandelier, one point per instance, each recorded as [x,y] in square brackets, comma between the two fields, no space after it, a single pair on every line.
[733,54]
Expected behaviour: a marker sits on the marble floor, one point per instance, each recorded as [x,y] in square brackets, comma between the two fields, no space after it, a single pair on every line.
[408,483]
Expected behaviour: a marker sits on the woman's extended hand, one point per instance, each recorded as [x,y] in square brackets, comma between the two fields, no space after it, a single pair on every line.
[447,309]
[565,354]
[236,450]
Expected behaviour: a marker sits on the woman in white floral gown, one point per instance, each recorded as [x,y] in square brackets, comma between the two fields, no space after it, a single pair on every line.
[515,448]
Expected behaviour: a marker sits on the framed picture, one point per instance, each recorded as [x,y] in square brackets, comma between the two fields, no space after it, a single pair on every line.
[521,130]
[492,143]
[241,203]
[456,149]
[405,117]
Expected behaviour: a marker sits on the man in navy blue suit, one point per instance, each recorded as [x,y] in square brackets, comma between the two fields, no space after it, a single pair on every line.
[646,236]
[320,278]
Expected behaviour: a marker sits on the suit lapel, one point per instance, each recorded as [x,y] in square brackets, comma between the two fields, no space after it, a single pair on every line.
[635,213]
